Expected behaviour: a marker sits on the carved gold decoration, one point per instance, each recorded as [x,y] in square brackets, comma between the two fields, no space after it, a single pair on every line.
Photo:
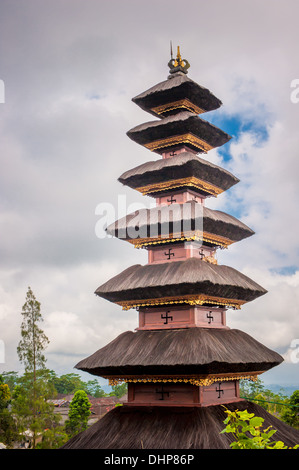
[181,299]
[177,183]
[184,103]
[188,236]
[179,139]
[178,64]
[195,380]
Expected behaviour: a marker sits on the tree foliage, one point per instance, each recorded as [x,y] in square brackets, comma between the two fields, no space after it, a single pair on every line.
[7,424]
[78,413]
[70,383]
[34,341]
[25,401]
[248,433]
[30,405]
[291,413]
[119,390]
[274,403]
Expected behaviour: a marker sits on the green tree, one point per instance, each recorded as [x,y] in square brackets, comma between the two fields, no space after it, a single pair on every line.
[11,379]
[78,413]
[34,341]
[4,393]
[53,438]
[31,407]
[256,391]
[68,383]
[291,413]
[248,433]
[7,424]
[251,389]
[30,398]
[94,389]
[119,390]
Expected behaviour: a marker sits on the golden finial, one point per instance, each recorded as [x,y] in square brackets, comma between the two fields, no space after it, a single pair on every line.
[178,60]
[178,64]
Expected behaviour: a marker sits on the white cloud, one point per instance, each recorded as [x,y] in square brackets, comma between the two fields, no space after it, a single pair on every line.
[68,333]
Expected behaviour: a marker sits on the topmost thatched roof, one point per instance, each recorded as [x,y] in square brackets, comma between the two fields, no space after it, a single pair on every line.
[176,88]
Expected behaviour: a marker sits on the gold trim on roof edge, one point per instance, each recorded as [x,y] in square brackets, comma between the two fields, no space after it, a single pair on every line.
[189,236]
[184,103]
[197,380]
[181,299]
[179,139]
[188,181]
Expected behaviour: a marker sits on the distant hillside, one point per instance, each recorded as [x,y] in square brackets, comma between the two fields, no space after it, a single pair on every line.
[283,389]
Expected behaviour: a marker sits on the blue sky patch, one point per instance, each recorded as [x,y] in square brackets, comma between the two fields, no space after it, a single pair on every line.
[235,125]
[285,270]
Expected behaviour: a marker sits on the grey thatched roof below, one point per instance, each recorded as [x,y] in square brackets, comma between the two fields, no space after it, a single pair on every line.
[129,427]
[179,124]
[178,278]
[174,89]
[179,218]
[197,351]
[183,165]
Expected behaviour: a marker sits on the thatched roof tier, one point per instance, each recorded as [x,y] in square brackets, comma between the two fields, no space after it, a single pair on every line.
[185,170]
[129,427]
[185,351]
[184,128]
[176,94]
[179,279]
[179,220]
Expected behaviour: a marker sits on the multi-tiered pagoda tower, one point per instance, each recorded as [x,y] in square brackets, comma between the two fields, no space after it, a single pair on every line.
[183,361]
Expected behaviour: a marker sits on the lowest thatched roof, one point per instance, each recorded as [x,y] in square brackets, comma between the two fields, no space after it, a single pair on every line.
[184,128]
[179,219]
[174,90]
[194,351]
[185,165]
[128,427]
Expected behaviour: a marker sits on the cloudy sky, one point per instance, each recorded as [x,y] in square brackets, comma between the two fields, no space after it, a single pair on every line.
[70,69]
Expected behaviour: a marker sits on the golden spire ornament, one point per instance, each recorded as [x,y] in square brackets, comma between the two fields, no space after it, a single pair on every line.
[178,64]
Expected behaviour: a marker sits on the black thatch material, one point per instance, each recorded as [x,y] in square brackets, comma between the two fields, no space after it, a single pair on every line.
[172,428]
[174,89]
[179,124]
[189,277]
[183,165]
[184,351]
[161,221]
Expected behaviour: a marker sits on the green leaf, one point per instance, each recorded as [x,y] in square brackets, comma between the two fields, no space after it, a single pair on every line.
[268,434]
[256,421]
[229,428]
[245,415]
